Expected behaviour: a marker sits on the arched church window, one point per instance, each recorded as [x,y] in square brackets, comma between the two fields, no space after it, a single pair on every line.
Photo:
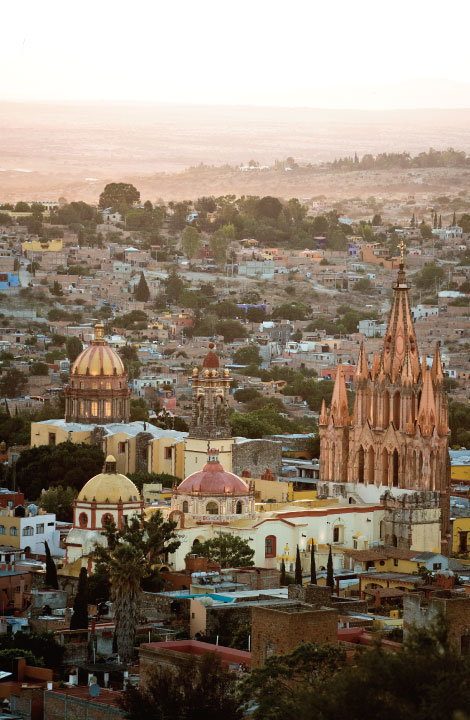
[396,410]
[107,519]
[239,508]
[360,464]
[270,546]
[185,506]
[396,465]
[385,466]
[371,468]
[386,409]
[83,520]
[374,409]
[212,508]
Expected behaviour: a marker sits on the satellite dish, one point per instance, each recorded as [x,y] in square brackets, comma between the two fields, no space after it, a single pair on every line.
[94,690]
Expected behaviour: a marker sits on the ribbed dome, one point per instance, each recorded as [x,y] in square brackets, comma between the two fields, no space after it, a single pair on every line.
[109,487]
[98,359]
[211,360]
[213,479]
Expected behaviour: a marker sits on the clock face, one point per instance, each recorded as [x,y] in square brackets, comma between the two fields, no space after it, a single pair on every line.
[400,344]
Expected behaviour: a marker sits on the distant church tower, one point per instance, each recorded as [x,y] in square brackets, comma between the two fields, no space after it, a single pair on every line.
[210,416]
[394,448]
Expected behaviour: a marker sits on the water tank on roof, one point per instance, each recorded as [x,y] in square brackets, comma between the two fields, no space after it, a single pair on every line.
[32,509]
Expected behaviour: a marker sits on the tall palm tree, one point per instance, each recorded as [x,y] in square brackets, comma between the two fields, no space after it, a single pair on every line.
[126,569]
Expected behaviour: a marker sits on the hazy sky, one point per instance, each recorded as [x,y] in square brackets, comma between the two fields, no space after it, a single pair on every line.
[324,53]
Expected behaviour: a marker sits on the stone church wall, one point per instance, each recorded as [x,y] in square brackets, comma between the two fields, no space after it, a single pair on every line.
[257,456]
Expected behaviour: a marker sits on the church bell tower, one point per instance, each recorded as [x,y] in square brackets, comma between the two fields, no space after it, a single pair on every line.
[210,415]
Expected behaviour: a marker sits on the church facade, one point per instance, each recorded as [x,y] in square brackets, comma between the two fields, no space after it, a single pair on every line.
[393,448]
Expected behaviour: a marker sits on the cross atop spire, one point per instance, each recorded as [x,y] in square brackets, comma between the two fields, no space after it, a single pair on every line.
[402,247]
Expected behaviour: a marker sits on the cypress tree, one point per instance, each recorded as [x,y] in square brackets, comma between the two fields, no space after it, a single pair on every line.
[283,573]
[51,570]
[79,620]
[440,222]
[330,579]
[142,292]
[298,568]
[454,220]
[313,570]
[435,221]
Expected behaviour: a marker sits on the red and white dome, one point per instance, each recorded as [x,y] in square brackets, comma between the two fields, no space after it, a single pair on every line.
[213,480]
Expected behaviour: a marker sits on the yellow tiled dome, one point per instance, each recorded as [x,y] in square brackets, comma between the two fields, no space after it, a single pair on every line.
[109,487]
[98,360]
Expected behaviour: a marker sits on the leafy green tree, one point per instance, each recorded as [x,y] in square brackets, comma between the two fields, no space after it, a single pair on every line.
[56,289]
[231,330]
[255,314]
[247,355]
[42,646]
[8,659]
[130,359]
[67,464]
[199,689]
[377,219]
[167,480]
[22,207]
[51,570]
[269,207]
[330,578]
[363,284]
[12,383]
[141,291]
[430,275]
[280,687]
[226,310]
[73,347]
[174,286]
[260,423]
[59,500]
[220,241]
[425,230]
[464,222]
[191,242]
[129,559]
[229,550]
[246,395]
[291,311]
[119,194]
[283,573]
[426,681]
[38,368]
[79,619]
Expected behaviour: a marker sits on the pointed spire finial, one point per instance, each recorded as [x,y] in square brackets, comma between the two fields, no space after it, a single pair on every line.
[437,374]
[362,370]
[427,406]
[339,400]
[323,418]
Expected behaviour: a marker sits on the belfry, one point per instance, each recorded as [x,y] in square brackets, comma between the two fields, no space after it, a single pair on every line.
[209,425]
[393,449]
